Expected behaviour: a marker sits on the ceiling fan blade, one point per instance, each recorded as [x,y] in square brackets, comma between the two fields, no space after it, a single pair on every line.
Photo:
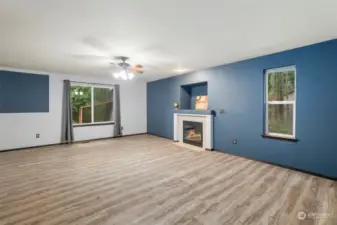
[135,70]
[122,58]
[138,66]
[114,64]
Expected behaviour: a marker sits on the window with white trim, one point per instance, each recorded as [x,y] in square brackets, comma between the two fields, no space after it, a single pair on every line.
[280,102]
[91,104]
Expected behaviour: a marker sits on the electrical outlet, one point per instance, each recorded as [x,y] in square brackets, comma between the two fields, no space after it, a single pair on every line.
[37,135]
[235,141]
[222,111]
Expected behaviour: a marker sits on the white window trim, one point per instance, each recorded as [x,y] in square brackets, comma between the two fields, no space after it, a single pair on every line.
[92,86]
[267,133]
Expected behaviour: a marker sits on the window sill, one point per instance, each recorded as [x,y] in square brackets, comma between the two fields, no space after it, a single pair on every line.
[280,138]
[93,124]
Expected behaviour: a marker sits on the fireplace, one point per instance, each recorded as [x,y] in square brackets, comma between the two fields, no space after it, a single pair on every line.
[192,133]
[193,127]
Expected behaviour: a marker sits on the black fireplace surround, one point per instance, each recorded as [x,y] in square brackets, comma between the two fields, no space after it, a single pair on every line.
[192,133]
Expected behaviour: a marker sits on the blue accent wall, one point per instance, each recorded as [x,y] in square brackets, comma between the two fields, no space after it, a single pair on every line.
[238,88]
[23,93]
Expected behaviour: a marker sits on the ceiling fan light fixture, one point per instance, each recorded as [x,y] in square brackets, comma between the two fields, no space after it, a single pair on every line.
[126,72]
[131,76]
[124,75]
[116,75]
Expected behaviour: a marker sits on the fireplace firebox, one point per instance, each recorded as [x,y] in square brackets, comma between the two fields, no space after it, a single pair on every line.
[192,133]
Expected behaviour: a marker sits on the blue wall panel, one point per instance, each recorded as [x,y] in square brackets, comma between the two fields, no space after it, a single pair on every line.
[238,88]
[23,93]
[185,97]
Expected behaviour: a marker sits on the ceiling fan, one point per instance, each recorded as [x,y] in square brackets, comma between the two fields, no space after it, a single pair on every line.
[127,71]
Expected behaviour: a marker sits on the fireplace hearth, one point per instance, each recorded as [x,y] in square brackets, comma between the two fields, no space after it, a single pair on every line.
[192,133]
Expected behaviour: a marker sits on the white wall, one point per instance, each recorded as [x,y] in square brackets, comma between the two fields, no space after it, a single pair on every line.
[93,132]
[18,130]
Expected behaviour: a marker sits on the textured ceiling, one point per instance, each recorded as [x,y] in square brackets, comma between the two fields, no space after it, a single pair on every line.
[82,36]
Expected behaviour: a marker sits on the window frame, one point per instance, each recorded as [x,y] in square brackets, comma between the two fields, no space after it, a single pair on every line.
[267,103]
[92,86]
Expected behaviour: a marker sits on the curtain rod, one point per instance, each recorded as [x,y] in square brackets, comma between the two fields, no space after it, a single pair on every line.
[81,82]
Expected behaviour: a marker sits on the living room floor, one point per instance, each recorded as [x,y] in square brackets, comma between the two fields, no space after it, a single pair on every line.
[149,180]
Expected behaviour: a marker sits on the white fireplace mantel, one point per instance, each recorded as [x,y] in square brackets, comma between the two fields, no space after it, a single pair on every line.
[207,125]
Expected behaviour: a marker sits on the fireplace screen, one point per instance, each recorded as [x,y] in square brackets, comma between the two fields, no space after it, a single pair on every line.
[192,133]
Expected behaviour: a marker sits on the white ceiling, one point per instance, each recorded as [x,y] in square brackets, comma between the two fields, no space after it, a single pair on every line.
[81,36]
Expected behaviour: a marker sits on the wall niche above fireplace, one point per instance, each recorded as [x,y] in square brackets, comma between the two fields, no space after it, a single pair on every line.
[194,96]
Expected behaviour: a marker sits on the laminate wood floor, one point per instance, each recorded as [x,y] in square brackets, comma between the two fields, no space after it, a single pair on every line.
[151,181]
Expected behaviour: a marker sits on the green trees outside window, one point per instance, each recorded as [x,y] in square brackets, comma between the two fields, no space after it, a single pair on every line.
[91,104]
[102,104]
[281,101]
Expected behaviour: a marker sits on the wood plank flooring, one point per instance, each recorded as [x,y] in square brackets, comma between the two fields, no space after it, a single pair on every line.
[148,180]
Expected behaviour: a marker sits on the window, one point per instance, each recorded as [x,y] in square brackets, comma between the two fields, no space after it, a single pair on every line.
[91,104]
[280,97]
[102,104]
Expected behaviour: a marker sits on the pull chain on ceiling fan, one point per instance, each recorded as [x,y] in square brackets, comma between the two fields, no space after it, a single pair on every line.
[126,70]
